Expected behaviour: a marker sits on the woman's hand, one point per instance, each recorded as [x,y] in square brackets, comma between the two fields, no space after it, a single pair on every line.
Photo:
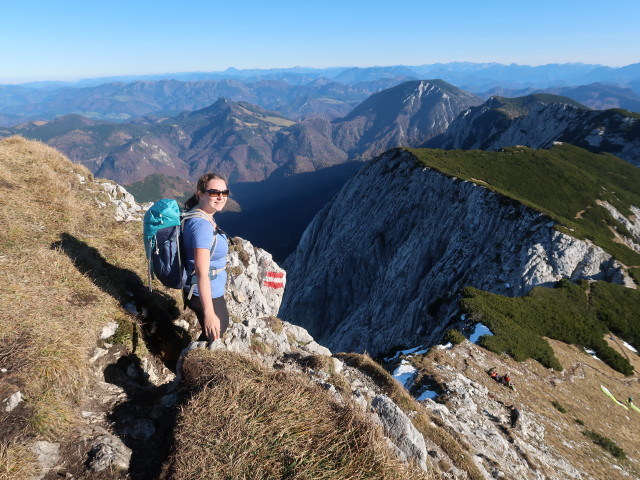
[211,326]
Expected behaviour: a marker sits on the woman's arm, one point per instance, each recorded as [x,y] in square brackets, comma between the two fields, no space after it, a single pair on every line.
[202,260]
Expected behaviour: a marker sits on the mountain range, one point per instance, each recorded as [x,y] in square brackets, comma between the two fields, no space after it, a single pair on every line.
[301,93]
[247,143]
[419,245]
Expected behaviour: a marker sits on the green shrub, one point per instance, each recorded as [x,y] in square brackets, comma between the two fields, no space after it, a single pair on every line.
[563,313]
[606,443]
[579,422]
[454,336]
[558,406]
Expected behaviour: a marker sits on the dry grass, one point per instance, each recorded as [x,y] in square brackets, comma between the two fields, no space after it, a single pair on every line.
[56,296]
[16,461]
[246,422]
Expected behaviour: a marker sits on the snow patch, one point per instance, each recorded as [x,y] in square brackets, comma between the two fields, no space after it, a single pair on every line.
[427,394]
[479,331]
[405,374]
[419,350]
[630,347]
[592,353]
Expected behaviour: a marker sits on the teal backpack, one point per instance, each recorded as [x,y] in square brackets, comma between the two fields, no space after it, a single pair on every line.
[162,232]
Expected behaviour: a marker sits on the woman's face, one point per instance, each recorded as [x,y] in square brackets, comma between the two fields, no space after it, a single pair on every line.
[212,201]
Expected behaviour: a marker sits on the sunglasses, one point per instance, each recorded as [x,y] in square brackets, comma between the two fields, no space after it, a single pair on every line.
[215,193]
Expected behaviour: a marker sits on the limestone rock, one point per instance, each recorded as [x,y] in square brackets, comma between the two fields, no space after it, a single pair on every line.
[256,282]
[48,455]
[400,430]
[12,402]
[126,208]
[108,452]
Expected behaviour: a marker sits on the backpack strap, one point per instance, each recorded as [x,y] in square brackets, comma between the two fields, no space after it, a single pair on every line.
[197,213]
[149,265]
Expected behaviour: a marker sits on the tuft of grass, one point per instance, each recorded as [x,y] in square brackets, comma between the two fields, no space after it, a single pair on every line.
[274,424]
[579,422]
[259,347]
[243,255]
[125,332]
[558,406]
[559,183]
[609,445]
[274,323]
[17,461]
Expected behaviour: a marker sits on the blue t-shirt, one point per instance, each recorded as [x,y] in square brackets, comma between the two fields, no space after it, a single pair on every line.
[198,233]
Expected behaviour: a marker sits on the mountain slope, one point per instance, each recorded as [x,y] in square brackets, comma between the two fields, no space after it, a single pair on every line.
[408,114]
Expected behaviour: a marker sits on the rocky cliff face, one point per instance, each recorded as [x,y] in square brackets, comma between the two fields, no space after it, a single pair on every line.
[381,265]
[491,126]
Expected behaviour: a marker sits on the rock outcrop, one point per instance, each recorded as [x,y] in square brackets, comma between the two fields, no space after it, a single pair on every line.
[382,264]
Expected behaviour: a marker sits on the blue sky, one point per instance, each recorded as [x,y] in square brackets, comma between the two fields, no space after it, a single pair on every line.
[73,39]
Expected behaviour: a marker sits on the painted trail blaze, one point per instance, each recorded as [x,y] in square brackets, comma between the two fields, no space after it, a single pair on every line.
[271,284]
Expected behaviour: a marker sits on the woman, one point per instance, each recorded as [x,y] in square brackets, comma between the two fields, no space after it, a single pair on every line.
[206,251]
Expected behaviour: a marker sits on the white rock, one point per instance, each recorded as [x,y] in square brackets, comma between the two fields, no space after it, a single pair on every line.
[48,455]
[108,452]
[182,324]
[13,401]
[98,353]
[108,330]
[317,349]
[400,430]
[300,334]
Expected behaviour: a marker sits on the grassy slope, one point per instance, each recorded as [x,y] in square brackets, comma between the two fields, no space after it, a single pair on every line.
[51,313]
[563,183]
[514,107]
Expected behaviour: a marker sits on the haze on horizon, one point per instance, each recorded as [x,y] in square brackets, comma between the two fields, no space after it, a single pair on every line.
[71,40]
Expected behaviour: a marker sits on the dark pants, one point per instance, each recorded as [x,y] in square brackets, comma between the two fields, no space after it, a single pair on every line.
[219,307]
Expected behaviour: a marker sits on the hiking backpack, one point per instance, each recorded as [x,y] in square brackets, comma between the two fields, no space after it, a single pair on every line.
[162,231]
